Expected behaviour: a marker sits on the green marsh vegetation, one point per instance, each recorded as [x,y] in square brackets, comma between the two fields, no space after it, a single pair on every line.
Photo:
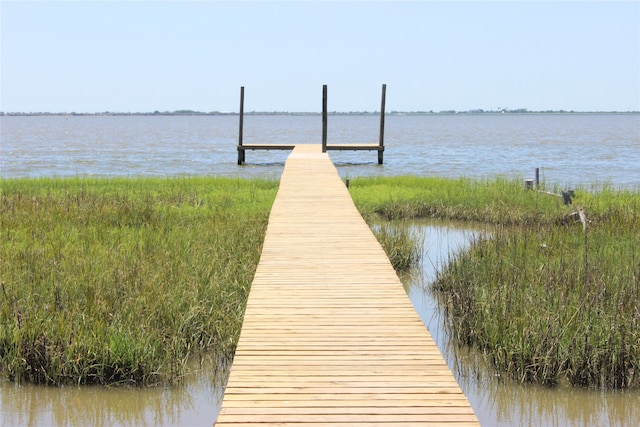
[402,246]
[547,299]
[123,280]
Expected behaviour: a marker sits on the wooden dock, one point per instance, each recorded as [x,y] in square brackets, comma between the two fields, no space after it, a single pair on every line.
[329,335]
[378,147]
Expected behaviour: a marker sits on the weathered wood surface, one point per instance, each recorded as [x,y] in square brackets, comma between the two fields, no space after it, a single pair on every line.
[329,336]
[354,147]
[247,147]
[342,147]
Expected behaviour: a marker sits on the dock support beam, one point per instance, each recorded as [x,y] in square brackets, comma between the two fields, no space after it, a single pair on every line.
[381,146]
[324,118]
[241,157]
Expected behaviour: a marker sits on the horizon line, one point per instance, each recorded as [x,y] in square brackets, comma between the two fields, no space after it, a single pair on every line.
[283,112]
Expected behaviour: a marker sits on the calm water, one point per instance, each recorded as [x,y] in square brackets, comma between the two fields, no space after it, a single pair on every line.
[568,149]
[496,401]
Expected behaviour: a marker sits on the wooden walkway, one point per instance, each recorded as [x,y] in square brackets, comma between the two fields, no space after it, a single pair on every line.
[329,336]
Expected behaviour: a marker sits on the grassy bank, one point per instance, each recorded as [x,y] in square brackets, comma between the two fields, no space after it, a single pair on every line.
[545,298]
[122,280]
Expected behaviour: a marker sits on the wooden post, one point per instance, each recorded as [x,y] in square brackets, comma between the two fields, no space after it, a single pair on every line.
[528,184]
[324,118]
[567,196]
[537,177]
[241,157]
[381,146]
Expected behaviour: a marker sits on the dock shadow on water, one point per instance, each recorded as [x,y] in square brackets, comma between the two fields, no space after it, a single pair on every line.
[499,401]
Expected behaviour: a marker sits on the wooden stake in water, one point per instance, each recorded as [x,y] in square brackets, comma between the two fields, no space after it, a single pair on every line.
[240,149]
[324,118]
[381,147]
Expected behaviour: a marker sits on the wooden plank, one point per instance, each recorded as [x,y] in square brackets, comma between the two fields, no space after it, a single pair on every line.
[371,418]
[435,402]
[354,147]
[245,147]
[329,336]
[353,411]
[364,423]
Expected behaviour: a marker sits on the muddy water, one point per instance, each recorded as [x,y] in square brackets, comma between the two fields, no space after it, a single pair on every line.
[195,403]
[496,401]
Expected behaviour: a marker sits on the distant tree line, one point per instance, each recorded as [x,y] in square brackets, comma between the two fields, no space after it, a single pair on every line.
[301,113]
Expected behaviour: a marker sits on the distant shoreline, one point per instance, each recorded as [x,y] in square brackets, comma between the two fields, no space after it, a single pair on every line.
[521,111]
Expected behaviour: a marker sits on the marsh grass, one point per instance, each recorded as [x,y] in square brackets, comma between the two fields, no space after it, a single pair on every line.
[122,280]
[547,300]
[551,305]
[402,246]
[495,201]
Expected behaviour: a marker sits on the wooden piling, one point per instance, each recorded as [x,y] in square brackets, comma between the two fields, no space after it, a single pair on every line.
[381,141]
[528,184]
[241,154]
[324,118]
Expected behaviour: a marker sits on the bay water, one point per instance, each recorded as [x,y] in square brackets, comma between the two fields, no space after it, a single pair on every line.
[568,149]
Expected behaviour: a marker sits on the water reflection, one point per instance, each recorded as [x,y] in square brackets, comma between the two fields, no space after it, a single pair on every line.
[196,402]
[498,401]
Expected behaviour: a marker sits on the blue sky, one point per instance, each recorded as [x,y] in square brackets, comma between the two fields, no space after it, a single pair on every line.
[91,56]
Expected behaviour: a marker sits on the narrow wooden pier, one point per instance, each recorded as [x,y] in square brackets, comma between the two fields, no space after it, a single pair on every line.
[329,335]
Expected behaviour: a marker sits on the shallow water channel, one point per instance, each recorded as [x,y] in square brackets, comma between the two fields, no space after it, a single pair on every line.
[496,401]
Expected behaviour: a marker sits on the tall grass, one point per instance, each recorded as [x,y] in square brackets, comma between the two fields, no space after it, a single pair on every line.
[122,280]
[547,299]
[551,305]
[402,246]
[497,201]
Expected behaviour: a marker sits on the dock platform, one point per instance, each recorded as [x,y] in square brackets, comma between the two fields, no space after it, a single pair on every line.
[242,147]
